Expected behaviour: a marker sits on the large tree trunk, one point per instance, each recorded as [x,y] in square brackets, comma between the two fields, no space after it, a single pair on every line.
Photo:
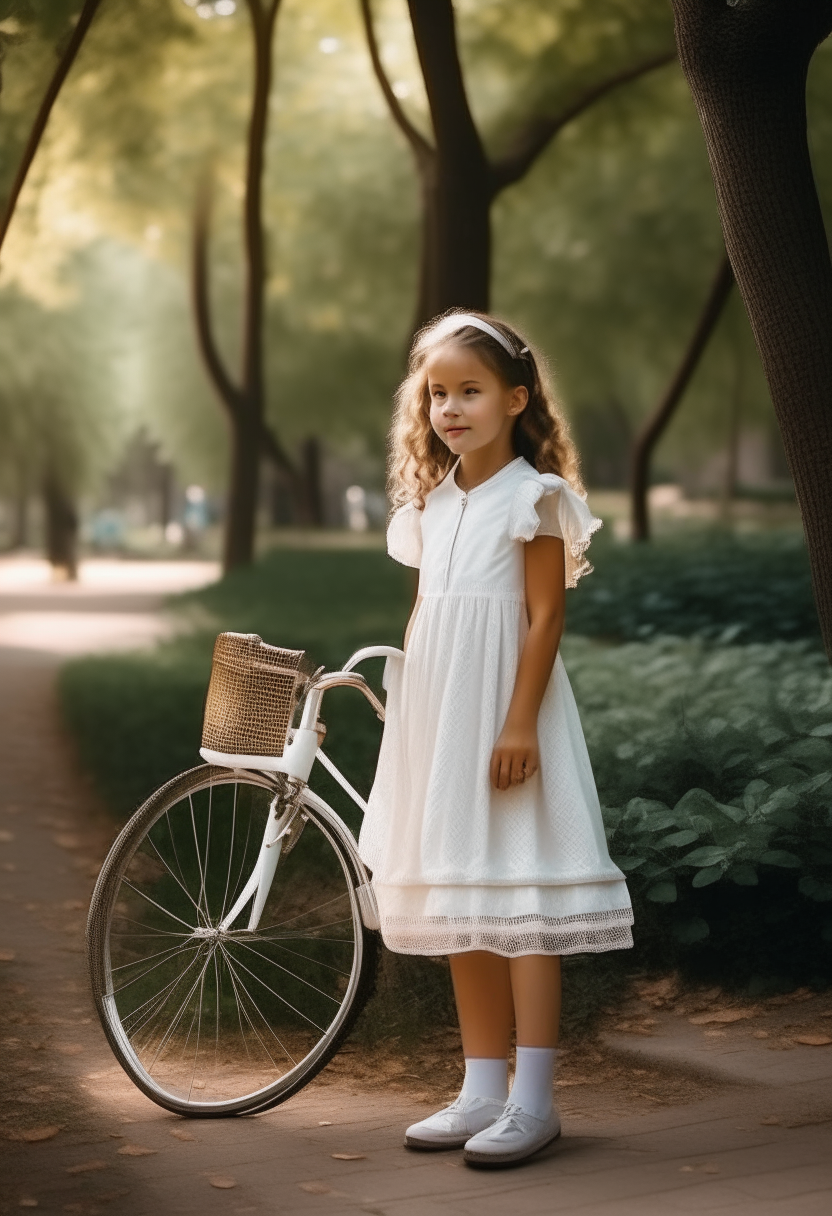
[746,64]
[457,186]
[656,425]
[61,526]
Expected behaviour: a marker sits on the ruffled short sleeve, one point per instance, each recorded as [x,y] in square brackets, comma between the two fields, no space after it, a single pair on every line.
[404,535]
[546,505]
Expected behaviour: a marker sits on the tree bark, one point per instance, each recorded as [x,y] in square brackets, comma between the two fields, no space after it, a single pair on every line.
[61,525]
[65,61]
[655,426]
[458,188]
[746,65]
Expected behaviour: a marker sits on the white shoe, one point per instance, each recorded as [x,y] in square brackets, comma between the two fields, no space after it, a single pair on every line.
[455,1125]
[512,1138]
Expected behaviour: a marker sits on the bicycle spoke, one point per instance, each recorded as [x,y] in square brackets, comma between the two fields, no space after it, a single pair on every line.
[288,972]
[138,891]
[265,1020]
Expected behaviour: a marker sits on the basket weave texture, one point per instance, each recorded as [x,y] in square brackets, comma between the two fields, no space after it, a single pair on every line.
[251,696]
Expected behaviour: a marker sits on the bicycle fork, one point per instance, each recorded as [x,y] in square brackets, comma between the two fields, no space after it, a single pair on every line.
[282,830]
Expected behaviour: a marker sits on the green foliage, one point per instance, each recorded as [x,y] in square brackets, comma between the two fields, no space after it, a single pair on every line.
[715,767]
[707,585]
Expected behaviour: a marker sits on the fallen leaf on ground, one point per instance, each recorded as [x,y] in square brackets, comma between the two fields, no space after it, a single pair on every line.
[324,1123]
[87,1167]
[685,1169]
[66,840]
[315,1188]
[349,1156]
[27,1201]
[813,1040]
[770,1121]
[710,1169]
[181,1134]
[135,1150]
[724,1015]
[221,1182]
[69,1049]
[34,1135]
[6,956]
[760,1034]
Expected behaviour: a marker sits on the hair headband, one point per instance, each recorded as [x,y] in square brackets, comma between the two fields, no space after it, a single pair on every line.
[458,320]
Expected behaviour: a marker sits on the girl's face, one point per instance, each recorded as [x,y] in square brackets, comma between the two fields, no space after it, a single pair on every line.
[470,406]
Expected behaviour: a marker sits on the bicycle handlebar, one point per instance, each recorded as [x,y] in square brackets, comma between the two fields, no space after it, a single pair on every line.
[346,677]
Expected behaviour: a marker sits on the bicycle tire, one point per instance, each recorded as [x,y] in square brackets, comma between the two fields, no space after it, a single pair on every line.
[140,862]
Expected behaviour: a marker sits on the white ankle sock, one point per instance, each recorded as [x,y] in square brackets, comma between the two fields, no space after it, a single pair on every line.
[485,1078]
[534,1077]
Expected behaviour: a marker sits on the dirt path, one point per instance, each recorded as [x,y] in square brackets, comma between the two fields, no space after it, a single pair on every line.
[669,1115]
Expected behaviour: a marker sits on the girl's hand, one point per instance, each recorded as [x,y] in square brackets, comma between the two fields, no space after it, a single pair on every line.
[515,758]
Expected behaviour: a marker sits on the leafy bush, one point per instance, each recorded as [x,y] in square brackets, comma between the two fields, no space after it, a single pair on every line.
[715,765]
[709,585]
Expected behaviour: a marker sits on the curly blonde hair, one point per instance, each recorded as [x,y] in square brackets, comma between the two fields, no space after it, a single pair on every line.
[419,460]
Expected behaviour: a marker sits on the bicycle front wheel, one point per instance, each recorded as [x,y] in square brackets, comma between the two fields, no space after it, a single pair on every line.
[209,1021]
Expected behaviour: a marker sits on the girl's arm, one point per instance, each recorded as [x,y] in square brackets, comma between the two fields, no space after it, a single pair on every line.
[516,754]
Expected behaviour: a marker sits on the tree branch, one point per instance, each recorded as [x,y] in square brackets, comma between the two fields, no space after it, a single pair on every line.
[60,74]
[529,143]
[226,390]
[412,134]
[655,425]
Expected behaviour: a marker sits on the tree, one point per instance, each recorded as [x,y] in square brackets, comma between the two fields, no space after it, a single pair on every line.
[656,423]
[71,41]
[244,402]
[459,180]
[746,65]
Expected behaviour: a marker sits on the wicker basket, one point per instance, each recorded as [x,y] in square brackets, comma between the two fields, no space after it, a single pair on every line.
[251,696]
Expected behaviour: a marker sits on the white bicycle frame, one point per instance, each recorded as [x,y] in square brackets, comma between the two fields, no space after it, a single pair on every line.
[300,753]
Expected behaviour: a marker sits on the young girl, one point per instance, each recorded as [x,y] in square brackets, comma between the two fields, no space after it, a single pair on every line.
[484,830]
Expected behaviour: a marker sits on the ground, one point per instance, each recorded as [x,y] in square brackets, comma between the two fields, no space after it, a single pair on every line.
[687,1100]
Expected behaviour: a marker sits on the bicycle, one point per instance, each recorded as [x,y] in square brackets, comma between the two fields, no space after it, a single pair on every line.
[210,1012]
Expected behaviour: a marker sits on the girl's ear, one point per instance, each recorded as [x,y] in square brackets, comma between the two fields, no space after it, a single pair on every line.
[519,400]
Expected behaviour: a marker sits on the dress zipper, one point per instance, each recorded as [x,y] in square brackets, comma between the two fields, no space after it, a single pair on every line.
[463,504]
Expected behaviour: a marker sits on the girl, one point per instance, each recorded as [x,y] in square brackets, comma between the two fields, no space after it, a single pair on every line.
[484,830]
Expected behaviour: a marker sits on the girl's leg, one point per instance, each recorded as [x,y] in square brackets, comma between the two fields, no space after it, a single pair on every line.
[535,983]
[535,987]
[483,992]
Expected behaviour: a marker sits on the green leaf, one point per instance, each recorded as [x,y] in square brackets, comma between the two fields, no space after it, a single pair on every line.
[628,864]
[708,855]
[780,857]
[662,893]
[689,931]
[704,878]
[744,875]
[813,888]
[822,731]
[677,839]
[812,783]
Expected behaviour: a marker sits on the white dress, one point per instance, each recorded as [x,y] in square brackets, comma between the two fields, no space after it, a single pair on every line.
[456,864]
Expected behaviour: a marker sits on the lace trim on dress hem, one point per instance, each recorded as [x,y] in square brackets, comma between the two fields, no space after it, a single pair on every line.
[587,932]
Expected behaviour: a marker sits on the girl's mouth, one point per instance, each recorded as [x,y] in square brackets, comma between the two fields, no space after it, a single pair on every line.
[453,432]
